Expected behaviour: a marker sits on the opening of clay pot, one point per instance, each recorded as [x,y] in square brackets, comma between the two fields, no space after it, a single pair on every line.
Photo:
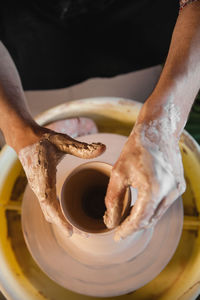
[83,197]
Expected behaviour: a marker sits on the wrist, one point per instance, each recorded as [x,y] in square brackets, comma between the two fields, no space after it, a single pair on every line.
[151,110]
[160,119]
[22,134]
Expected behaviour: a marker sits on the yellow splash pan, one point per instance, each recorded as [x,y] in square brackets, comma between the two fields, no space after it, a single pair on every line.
[22,279]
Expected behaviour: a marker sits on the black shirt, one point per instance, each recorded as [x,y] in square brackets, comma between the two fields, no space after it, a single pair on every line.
[55,43]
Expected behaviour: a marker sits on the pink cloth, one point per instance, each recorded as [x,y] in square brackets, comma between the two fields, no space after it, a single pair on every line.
[74,127]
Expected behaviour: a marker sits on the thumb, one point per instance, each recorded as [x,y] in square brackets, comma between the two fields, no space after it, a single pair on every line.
[68,145]
[114,201]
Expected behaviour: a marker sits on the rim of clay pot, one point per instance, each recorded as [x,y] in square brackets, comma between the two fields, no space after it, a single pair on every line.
[67,215]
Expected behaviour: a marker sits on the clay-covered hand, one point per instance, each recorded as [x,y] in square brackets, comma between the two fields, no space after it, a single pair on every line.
[39,161]
[151,163]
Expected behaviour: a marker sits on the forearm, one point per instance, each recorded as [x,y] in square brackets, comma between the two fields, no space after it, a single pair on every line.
[180,79]
[16,122]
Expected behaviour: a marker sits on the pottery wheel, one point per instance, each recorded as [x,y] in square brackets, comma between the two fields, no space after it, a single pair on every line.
[128,269]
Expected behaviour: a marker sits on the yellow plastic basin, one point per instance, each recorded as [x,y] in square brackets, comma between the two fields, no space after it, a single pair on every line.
[22,279]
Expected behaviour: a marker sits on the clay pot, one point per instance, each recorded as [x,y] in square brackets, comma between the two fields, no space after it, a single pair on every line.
[82,197]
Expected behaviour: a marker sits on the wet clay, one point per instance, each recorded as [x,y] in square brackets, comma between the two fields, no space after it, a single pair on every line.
[151,163]
[83,197]
[39,162]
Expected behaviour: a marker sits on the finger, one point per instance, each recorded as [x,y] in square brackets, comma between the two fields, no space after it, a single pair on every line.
[163,207]
[39,162]
[114,200]
[48,198]
[168,200]
[70,146]
[139,217]
[53,214]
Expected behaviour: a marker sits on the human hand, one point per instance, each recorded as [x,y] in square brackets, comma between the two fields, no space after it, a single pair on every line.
[150,162]
[39,161]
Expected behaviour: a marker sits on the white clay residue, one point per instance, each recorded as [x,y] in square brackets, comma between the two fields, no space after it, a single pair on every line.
[172,117]
[160,162]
